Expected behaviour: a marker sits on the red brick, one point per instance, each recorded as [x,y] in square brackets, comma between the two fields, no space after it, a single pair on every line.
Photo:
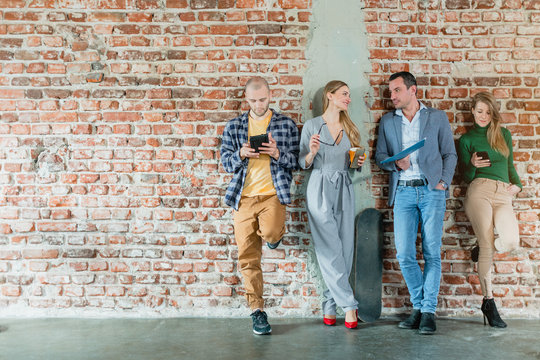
[98,266]
[11,290]
[11,94]
[56,201]
[38,266]
[382,28]
[294,4]
[392,278]
[56,227]
[457,255]
[435,93]
[119,267]
[452,279]
[8,105]
[115,291]
[228,29]
[9,255]
[39,254]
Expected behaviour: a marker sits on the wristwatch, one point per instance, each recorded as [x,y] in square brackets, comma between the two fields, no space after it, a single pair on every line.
[444,185]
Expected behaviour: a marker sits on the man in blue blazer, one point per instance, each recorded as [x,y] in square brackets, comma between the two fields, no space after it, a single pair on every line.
[418,190]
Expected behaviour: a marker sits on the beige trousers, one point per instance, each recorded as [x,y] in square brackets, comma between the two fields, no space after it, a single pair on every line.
[258,217]
[488,205]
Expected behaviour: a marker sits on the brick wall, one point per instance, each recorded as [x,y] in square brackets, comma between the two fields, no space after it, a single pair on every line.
[111,113]
[110,117]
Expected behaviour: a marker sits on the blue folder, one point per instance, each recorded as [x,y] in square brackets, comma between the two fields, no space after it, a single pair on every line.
[407,151]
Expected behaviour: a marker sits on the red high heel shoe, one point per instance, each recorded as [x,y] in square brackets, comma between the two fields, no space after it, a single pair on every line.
[329,322]
[352,324]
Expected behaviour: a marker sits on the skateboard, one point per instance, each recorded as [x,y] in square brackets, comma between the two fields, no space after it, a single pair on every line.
[367,268]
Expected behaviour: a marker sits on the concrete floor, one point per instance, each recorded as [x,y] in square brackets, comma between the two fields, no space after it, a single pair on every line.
[196,338]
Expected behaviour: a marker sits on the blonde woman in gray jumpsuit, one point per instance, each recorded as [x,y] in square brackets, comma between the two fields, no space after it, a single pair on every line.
[324,146]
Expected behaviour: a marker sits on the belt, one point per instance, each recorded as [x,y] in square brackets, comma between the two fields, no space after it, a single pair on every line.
[414,182]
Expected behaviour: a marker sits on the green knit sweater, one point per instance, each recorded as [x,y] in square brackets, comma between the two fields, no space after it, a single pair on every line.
[501,168]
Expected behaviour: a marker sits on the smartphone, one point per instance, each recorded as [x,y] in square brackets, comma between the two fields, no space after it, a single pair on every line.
[483,155]
[255,142]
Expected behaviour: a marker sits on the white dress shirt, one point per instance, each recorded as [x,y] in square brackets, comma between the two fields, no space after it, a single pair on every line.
[410,133]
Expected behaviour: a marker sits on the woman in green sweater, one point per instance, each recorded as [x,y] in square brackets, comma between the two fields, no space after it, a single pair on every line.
[485,154]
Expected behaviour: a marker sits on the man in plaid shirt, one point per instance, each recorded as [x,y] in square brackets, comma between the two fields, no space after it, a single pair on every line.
[260,187]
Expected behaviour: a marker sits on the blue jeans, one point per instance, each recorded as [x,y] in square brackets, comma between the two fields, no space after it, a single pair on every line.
[414,204]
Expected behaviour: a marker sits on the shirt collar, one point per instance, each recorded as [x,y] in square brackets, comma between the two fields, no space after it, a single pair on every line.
[422,106]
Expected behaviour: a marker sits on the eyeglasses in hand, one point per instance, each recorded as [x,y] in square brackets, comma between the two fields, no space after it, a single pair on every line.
[325,143]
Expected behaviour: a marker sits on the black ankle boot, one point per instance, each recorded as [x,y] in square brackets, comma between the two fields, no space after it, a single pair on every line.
[474,253]
[413,321]
[427,324]
[490,312]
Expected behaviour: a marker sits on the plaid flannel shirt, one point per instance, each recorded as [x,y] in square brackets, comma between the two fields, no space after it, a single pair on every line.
[284,132]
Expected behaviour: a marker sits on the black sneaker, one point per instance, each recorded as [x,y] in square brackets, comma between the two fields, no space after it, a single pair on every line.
[413,321]
[274,245]
[260,323]
[427,324]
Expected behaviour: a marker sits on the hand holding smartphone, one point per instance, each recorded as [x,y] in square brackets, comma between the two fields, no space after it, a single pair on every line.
[483,155]
[484,158]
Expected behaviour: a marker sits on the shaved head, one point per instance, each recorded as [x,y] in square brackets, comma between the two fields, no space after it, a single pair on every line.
[255,83]
[257,96]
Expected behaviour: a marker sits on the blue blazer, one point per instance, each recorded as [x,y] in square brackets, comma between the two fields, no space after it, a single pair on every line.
[437,158]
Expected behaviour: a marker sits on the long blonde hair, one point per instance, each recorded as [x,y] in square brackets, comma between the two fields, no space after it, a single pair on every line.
[494,133]
[344,119]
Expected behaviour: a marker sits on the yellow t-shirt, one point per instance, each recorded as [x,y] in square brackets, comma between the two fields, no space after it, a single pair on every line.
[258,177]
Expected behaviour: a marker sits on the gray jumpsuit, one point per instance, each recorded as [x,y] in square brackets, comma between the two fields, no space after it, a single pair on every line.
[330,207]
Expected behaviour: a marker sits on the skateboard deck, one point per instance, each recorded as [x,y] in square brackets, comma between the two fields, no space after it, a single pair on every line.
[367,268]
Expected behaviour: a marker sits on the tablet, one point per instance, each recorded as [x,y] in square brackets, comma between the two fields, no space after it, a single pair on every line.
[255,142]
